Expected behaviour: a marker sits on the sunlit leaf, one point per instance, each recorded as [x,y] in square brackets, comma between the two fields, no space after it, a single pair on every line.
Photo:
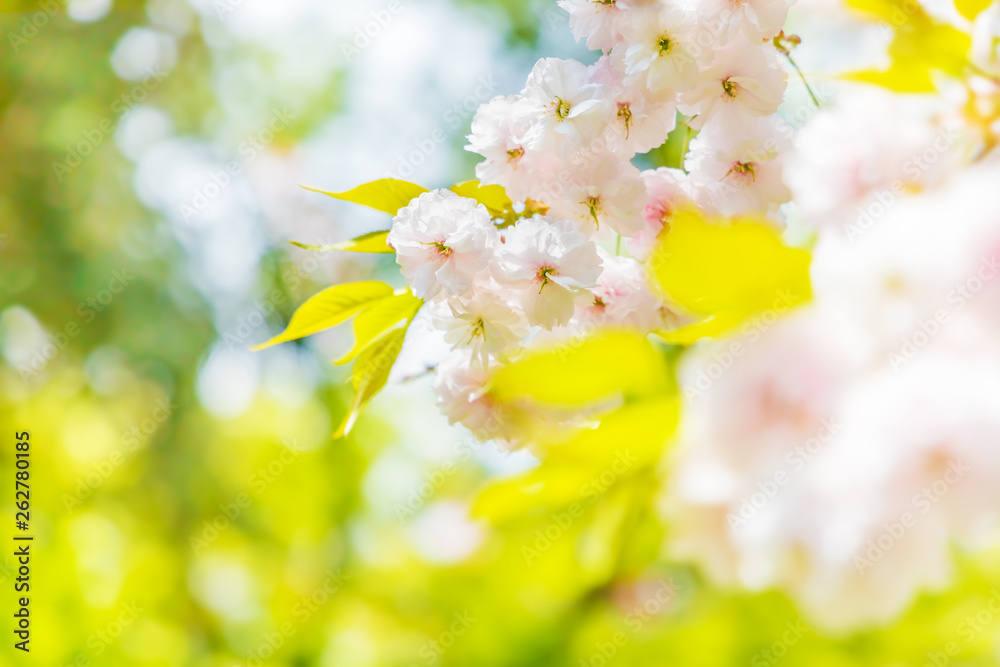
[585,371]
[602,538]
[547,486]
[900,77]
[387,195]
[380,318]
[920,47]
[723,271]
[493,197]
[970,9]
[895,12]
[374,242]
[634,433]
[674,150]
[709,327]
[369,375]
[329,308]
[626,442]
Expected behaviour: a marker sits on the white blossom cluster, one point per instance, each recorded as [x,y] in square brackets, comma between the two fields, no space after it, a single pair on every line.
[841,452]
[565,146]
[568,139]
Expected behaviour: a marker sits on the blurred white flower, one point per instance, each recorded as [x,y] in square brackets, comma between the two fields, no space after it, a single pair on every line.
[864,154]
[839,451]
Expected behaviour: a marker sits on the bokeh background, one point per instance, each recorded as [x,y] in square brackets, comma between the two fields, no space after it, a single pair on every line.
[188,503]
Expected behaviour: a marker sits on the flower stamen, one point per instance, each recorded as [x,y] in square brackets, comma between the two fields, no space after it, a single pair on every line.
[664,43]
[594,205]
[477,330]
[625,113]
[440,248]
[542,276]
[730,88]
[744,173]
[562,108]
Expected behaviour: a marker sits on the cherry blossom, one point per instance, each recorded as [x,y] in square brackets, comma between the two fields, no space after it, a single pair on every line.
[597,21]
[487,325]
[742,78]
[657,54]
[741,166]
[504,132]
[550,263]
[568,103]
[441,240]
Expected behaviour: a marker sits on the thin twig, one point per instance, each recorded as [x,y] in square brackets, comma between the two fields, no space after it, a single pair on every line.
[804,82]
[410,378]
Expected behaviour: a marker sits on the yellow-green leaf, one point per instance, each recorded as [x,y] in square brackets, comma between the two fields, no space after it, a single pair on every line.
[374,242]
[626,443]
[493,197]
[723,271]
[920,46]
[900,77]
[627,439]
[369,375]
[932,45]
[585,371]
[387,195]
[970,9]
[380,318]
[329,308]
[895,12]
[546,486]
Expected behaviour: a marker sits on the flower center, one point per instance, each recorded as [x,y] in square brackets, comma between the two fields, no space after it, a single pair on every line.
[477,330]
[665,217]
[562,108]
[440,249]
[744,173]
[514,155]
[593,204]
[664,43]
[542,276]
[730,88]
[625,114]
